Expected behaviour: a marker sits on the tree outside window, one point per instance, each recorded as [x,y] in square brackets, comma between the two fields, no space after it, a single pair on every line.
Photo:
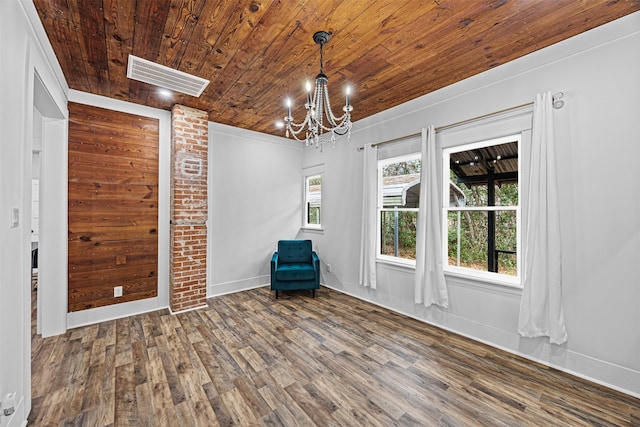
[398,196]
[313,201]
[482,213]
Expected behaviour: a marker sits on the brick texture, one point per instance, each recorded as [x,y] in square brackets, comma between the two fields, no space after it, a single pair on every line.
[188,266]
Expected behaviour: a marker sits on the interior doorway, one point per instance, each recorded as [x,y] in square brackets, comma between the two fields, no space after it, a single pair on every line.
[49,165]
[36,167]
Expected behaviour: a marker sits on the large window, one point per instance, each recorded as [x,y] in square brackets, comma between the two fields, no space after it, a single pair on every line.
[398,202]
[481,209]
[313,201]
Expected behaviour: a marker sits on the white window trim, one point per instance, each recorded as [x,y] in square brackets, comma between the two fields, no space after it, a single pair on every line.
[388,259]
[462,272]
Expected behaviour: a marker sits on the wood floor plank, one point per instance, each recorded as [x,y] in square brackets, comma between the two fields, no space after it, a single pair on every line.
[145,410]
[240,410]
[333,360]
[315,406]
[161,398]
[126,413]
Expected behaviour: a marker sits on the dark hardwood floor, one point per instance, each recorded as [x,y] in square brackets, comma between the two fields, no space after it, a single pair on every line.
[249,359]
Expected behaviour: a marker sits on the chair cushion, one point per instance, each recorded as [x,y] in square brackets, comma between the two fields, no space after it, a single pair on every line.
[295,271]
[294,251]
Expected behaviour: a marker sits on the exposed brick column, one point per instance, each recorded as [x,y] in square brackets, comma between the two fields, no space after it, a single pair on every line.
[188,266]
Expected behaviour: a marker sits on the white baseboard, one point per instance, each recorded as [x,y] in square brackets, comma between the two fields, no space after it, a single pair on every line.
[116,311]
[92,316]
[225,288]
[539,350]
[609,375]
[18,418]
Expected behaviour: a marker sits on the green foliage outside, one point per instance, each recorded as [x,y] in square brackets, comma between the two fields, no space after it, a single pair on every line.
[474,232]
[402,168]
[313,215]
[406,234]
[473,225]
[315,181]
[407,220]
[313,211]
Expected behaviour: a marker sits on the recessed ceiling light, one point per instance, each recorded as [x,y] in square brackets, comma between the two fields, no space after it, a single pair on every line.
[165,93]
[279,124]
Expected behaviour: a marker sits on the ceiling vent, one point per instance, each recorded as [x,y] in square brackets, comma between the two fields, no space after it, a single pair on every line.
[159,75]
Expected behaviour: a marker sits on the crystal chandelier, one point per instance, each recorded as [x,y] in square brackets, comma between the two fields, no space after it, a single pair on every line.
[314,127]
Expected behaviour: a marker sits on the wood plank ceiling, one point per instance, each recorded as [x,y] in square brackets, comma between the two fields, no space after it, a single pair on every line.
[257,52]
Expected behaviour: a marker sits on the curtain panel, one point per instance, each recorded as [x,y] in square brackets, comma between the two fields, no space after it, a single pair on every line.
[541,312]
[367,275]
[429,282]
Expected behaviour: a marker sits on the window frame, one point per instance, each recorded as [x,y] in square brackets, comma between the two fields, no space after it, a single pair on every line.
[305,219]
[470,273]
[380,208]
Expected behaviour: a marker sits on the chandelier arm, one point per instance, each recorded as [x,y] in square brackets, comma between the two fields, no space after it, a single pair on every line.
[346,130]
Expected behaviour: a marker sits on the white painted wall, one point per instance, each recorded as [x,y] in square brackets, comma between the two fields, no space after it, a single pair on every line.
[22,56]
[255,199]
[598,130]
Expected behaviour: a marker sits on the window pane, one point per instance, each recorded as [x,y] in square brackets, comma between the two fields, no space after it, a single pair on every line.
[313,199]
[472,172]
[467,230]
[401,184]
[313,214]
[468,243]
[398,234]
[506,243]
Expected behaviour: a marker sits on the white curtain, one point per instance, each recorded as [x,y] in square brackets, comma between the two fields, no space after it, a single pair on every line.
[369,220]
[430,286]
[541,305]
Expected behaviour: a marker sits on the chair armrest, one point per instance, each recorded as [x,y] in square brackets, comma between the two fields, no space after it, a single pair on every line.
[315,260]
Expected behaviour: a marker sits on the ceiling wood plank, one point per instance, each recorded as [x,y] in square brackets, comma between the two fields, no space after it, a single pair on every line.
[119,30]
[180,25]
[64,37]
[258,52]
[89,17]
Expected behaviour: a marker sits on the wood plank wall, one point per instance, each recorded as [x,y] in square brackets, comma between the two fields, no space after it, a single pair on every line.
[113,206]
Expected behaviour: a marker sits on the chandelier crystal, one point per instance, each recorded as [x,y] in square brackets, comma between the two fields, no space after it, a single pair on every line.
[314,128]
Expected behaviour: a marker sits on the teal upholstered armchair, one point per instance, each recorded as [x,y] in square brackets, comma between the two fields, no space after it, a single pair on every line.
[295,266]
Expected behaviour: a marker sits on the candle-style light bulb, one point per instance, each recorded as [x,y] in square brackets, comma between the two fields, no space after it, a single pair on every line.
[308,86]
[347,93]
[289,108]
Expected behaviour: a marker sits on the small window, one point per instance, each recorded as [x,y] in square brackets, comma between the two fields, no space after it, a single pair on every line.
[481,208]
[398,203]
[313,201]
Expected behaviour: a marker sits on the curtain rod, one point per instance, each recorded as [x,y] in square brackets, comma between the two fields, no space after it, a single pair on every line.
[556,102]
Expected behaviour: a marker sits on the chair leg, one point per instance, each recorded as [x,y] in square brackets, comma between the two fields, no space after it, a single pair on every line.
[313,293]
[276,294]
